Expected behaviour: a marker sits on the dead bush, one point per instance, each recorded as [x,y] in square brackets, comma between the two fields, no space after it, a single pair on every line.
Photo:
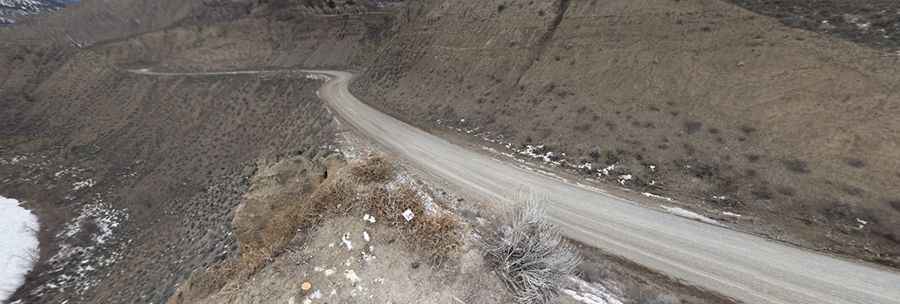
[436,234]
[796,166]
[691,127]
[288,219]
[376,169]
[258,251]
[530,255]
[389,205]
[855,162]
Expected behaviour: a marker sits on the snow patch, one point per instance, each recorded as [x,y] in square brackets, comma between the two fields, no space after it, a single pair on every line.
[586,166]
[862,223]
[18,245]
[731,214]
[606,171]
[625,178]
[83,184]
[320,77]
[401,180]
[79,258]
[690,215]
[588,293]
[651,195]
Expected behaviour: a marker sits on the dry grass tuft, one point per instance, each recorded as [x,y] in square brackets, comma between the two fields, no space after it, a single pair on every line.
[375,170]
[258,251]
[436,234]
[389,205]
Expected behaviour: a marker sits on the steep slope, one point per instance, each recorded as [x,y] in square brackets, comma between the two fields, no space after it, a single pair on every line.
[726,110]
[137,176]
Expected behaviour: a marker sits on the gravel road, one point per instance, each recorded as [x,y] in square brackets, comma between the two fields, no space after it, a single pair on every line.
[742,266]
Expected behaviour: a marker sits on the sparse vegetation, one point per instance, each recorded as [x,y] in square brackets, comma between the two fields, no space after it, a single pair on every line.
[855,162]
[436,234]
[376,169]
[611,157]
[895,204]
[796,166]
[752,157]
[762,193]
[692,127]
[353,191]
[530,255]
[786,190]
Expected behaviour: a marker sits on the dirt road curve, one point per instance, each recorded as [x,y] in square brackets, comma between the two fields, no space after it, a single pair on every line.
[745,267]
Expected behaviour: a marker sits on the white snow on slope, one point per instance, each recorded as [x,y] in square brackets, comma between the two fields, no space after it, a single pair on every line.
[690,215]
[588,293]
[18,243]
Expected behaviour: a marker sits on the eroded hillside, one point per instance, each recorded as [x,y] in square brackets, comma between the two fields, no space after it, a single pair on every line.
[170,155]
[791,133]
[774,130]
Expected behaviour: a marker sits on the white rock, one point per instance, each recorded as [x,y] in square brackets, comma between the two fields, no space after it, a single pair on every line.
[346,240]
[351,276]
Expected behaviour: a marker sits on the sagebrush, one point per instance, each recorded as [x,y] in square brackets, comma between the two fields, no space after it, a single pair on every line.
[530,255]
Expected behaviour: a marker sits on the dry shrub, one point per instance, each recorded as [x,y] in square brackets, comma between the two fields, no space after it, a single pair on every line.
[439,235]
[258,251]
[436,234]
[389,205]
[530,255]
[374,170]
